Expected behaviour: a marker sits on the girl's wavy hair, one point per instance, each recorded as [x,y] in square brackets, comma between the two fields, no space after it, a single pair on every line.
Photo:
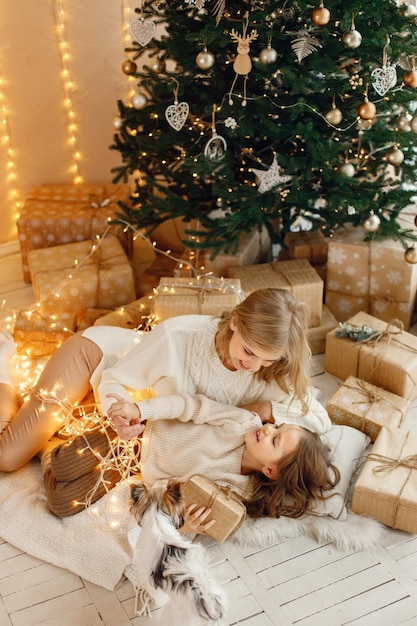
[304,477]
[273,320]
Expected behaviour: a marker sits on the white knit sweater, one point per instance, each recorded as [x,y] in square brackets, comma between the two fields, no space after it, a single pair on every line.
[178,357]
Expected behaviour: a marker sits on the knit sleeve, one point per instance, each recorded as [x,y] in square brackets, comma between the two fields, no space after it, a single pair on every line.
[288,410]
[198,409]
[152,359]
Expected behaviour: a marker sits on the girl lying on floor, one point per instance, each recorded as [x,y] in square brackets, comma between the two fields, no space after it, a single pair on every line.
[257,355]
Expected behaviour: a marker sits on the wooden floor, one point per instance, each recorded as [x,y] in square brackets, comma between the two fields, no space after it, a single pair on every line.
[294,582]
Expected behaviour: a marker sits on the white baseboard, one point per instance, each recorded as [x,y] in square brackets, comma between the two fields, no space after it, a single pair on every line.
[11,247]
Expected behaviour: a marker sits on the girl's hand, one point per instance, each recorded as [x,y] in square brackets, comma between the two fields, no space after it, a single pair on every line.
[263,409]
[125,418]
[194,518]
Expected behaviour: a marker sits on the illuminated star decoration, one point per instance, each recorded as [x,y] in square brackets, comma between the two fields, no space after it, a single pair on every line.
[270,178]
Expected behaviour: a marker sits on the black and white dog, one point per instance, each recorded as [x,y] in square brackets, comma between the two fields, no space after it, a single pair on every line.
[171,562]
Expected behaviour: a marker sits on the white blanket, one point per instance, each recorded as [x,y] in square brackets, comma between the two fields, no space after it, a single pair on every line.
[94,543]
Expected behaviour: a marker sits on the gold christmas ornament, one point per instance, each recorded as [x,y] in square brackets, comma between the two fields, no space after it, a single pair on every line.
[157,65]
[352,39]
[371,223]
[395,156]
[334,116]
[410,255]
[268,55]
[403,123]
[129,67]
[205,59]
[347,169]
[117,123]
[139,101]
[410,79]
[320,16]
[366,110]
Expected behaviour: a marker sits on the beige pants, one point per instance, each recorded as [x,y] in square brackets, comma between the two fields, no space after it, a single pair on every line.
[30,427]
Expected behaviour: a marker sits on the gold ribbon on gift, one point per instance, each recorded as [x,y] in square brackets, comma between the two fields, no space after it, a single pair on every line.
[372,396]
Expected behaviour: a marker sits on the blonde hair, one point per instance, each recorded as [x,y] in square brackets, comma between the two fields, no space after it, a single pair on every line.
[273,320]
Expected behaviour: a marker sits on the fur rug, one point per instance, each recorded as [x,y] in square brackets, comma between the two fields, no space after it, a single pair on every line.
[94,544]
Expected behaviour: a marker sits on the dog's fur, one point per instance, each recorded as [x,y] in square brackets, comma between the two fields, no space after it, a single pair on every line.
[171,562]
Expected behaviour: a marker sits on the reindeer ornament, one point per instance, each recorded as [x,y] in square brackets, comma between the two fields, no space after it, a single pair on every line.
[242,64]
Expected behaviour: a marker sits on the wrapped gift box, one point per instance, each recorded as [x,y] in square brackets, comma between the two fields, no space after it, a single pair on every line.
[390,362]
[297,276]
[317,335]
[387,485]
[370,276]
[310,245]
[366,407]
[207,295]
[82,275]
[58,214]
[254,247]
[40,333]
[226,507]
[87,318]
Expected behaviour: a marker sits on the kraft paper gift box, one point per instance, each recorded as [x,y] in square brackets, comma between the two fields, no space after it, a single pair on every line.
[316,336]
[310,245]
[296,276]
[136,315]
[40,333]
[363,406]
[389,362]
[254,247]
[226,507]
[386,488]
[58,214]
[370,276]
[82,275]
[207,295]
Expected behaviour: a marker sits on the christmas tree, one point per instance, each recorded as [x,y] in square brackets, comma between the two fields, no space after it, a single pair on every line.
[284,114]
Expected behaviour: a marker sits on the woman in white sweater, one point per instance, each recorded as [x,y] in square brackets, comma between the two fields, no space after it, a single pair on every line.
[255,356]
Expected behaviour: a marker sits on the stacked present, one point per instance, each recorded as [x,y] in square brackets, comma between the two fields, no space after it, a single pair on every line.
[386,488]
[366,407]
[316,335]
[79,276]
[254,247]
[369,276]
[297,276]
[39,333]
[387,358]
[205,295]
[58,214]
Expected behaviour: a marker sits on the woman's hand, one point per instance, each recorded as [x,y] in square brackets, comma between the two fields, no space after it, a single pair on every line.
[125,418]
[263,409]
[194,518]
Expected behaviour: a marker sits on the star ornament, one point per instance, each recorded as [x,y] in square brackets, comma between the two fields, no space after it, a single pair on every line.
[270,178]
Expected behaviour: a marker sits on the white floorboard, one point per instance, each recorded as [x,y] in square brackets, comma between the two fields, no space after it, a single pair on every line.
[295,582]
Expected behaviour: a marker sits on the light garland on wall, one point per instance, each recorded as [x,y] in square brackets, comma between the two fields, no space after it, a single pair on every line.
[5,141]
[128,15]
[68,89]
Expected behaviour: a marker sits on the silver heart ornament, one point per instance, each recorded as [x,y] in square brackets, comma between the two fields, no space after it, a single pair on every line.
[385,78]
[176,114]
[143,31]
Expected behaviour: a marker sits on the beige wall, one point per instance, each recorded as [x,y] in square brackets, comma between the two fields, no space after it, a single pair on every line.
[33,123]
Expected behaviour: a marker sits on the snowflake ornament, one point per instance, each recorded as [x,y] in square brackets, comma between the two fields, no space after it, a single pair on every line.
[270,178]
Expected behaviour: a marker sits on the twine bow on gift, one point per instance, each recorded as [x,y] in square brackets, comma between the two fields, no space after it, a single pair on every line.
[372,396]
[387,464]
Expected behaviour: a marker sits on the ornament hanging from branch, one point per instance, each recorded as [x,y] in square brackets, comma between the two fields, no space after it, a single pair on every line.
[352,38]
[177,113]
[304,43]
[242,64]
[270,178]
[216,147]
[385,77]
[143,30]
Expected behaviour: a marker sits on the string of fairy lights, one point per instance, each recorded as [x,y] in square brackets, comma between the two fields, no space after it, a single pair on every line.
[68,88]
[8,153]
